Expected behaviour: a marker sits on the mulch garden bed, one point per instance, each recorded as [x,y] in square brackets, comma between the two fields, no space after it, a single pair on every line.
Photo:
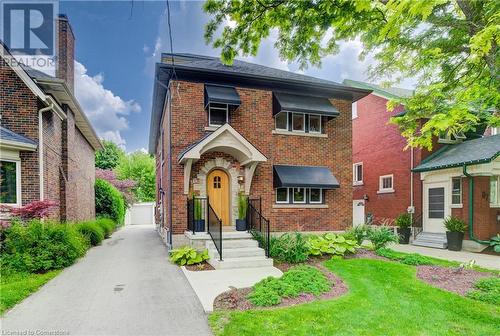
[204,266]
[453,279]
[236,298]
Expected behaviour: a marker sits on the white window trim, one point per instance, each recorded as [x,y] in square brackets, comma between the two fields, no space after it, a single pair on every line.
[320,123]
[496,205]
[218,108]
[303,123]
[354,111]
[320,196]
[293,196]
[287,196]
[355,181]
[382,190]
[18,183]
[456,205]
[281,129]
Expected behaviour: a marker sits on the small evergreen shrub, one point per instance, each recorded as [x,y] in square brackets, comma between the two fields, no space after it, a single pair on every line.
[109,201]
[242,206]
[487,290]
[403,221]
[454,224]
[382,236]
[188,256]
[297,280]
[93,232]
[107,225]
[38,247]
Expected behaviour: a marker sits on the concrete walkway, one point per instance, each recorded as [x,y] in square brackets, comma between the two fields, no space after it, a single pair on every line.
[124,287]
[483,260]
[209,284]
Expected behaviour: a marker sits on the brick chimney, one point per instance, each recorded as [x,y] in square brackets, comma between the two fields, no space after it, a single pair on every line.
[65,51]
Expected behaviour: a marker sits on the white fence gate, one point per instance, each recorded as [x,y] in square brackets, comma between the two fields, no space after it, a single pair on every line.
[141,214]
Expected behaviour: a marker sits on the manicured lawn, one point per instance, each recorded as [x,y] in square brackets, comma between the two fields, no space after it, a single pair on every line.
[384,298]
[15,287]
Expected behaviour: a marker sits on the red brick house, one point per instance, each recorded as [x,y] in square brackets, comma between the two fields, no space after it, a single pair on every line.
[279,137]
[389,180]
[47,144]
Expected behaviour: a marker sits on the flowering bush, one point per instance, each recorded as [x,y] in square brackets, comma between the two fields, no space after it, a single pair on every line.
[124,186]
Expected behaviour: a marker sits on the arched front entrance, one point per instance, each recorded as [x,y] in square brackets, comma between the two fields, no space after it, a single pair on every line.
[218,194]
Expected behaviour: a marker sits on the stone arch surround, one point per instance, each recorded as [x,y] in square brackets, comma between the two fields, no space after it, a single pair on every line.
[234,187]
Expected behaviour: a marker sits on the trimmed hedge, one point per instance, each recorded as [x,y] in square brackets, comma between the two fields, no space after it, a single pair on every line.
[93,232]
[109,201]
[107,225]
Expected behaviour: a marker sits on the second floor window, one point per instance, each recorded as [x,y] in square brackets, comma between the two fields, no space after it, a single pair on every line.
[218,114]
[456,190]
[298,122]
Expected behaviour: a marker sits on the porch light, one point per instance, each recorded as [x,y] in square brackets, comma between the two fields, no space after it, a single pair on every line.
[241,179]
[365,197]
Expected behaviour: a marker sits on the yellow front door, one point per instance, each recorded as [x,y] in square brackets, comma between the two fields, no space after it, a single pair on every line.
[218,194]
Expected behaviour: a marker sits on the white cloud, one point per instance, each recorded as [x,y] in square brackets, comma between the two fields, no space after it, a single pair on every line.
[106,111]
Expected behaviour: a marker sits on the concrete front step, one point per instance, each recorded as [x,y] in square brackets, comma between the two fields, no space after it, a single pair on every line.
[241,262]
[431,239]
[238,252]
[234,243]
[439,245]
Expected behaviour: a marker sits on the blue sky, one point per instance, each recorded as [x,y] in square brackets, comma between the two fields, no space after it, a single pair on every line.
[117,44]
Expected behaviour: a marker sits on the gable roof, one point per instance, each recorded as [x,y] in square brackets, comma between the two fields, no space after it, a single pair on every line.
[477,151]
[388,93]
[211,70]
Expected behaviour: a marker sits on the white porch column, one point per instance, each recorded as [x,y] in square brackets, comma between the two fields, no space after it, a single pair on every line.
[249,171]
[187,175]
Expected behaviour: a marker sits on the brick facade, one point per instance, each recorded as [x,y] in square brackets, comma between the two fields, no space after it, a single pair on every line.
[253,119]
[68,158]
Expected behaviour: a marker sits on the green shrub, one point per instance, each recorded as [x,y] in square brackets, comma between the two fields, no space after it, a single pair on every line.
[382,236]
[93,232]
[358,233]
[495,242]
[188,256]
[39,247]
[403,221]
[488,290]
[242,206]
[289,247]
[297,280]
[198,210]
[109,201]
[331,244]
[454,224]
[107,225]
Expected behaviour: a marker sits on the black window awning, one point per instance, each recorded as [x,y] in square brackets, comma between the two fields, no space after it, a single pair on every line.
[304,104]
[304,176]
[221,95]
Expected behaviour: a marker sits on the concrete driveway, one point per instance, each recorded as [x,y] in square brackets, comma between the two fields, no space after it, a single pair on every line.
[124,287]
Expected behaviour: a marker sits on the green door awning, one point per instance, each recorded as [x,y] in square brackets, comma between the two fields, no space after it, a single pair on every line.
[221,95]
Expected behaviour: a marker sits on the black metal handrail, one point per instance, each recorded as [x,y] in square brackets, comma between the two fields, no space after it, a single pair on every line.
[196,214]
[417,225]
[214,228]
[256,221]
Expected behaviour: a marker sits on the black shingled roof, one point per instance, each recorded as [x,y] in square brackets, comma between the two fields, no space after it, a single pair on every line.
[6,134]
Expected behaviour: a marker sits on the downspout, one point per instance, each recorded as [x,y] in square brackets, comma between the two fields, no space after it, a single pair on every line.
[471,208]
[40,148]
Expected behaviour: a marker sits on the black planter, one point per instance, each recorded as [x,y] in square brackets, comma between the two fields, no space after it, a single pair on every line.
[199,225]
[454,240]
[241,225]
[404,235]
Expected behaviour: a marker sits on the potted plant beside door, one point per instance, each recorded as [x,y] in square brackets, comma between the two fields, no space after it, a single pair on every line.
[455,228]
[199,222]
[241,222]
[403,222]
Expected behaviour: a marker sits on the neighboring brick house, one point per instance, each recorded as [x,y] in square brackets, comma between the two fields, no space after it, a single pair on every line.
[385,186]
[47,144]
[274,135]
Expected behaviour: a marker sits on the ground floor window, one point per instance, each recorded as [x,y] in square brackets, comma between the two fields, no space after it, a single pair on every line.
[386,183]
[299,196]
[456,190]
[10,186]
[495,191]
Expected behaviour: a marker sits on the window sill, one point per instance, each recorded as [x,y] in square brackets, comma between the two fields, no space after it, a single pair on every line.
[359,183]
[456,206]
[300,206]
[211,128]
[386,191]
[494,205]
[313,135]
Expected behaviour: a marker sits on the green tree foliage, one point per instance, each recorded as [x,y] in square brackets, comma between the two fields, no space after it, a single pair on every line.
[139,167]
[109,156]
[449,46]
[109,202]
